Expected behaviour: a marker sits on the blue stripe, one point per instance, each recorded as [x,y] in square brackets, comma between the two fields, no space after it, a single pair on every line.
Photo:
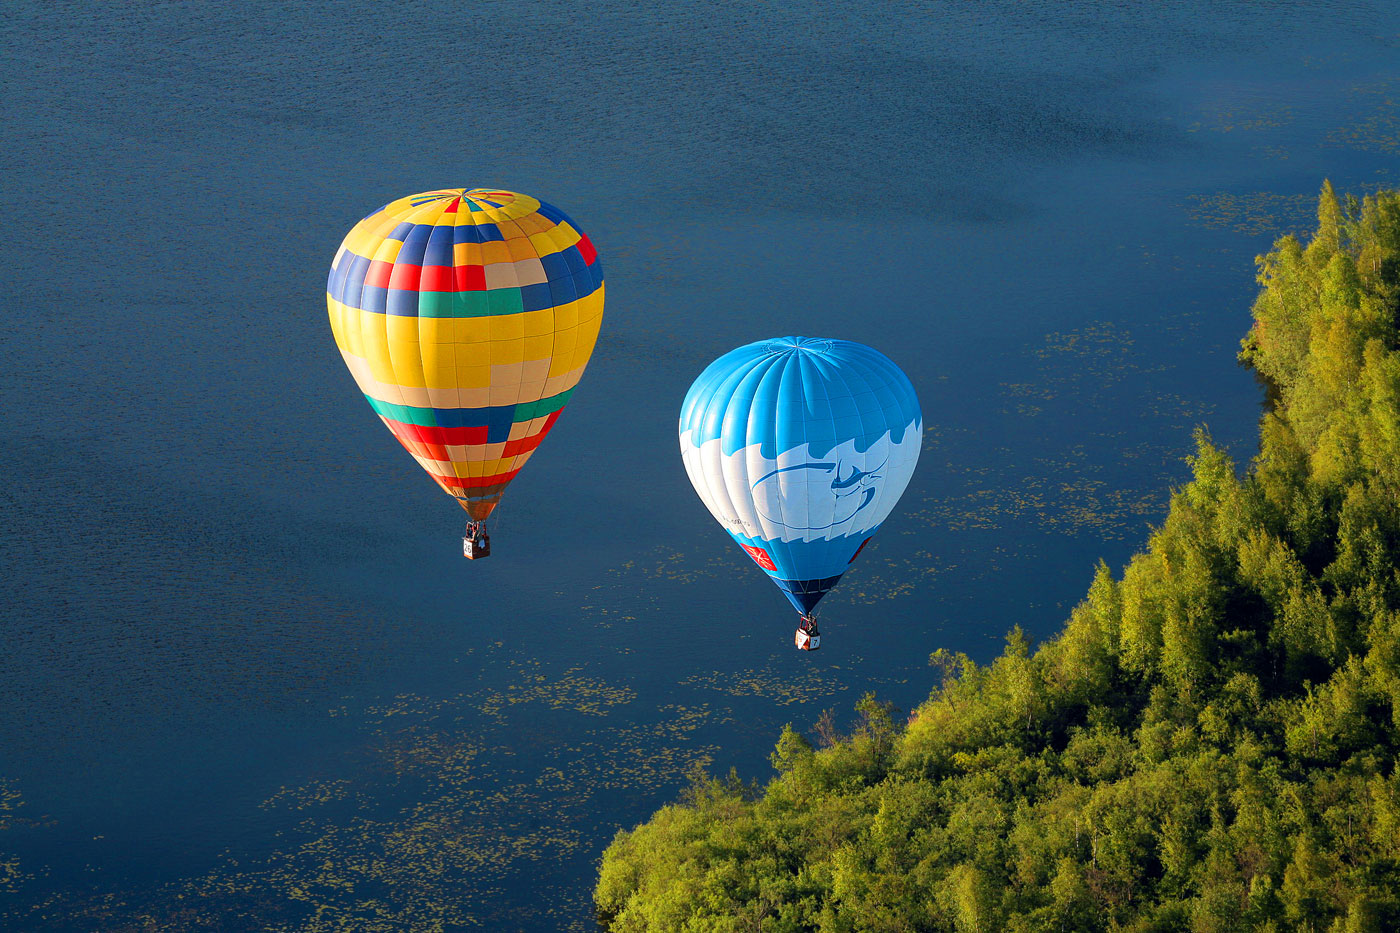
[536,297]
[439,249]
[489,232]
[556,266]
[550,212]
[786,392]
[414,244]
[354,282]
[346,285]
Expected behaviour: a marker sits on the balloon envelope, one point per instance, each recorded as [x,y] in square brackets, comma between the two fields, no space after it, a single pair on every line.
[800,448]
[466,318]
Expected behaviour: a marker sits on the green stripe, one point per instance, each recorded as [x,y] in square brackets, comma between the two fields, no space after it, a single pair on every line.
[545,406]
[404,414]
[460,417]
[470,304]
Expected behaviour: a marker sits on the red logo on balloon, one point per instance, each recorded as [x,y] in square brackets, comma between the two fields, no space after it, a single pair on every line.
[760,556]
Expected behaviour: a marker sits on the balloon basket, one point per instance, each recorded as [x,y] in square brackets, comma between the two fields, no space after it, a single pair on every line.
[807,641]
[476,548]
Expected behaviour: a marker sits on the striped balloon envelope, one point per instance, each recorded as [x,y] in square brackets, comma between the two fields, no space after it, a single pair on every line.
[800,448]
[467,317]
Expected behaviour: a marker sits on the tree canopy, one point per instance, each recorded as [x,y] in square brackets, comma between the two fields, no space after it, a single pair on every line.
[1209,743]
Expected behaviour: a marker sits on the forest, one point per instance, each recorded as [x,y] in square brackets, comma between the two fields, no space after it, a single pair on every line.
[1208,744]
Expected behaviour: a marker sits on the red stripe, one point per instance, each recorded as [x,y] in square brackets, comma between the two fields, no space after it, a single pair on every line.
[405,276]
[436,279]
[452,208]
[467,278]
[470,278]
[586,250]
[434,435]
[378,274]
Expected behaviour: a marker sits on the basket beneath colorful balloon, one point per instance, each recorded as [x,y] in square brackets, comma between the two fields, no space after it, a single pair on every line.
[476,543]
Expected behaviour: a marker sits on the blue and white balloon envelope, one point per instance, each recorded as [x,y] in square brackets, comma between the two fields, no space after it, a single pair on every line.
[800,447]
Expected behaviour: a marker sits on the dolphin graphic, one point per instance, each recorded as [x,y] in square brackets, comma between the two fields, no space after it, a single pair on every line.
[856,482]
[844,491]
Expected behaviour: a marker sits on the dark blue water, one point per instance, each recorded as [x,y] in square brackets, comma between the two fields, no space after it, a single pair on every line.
[246,679]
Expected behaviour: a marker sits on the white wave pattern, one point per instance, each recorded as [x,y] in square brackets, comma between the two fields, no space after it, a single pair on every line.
[798,496]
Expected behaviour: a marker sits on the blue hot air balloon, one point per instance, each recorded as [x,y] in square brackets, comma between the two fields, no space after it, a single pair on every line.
[800,447]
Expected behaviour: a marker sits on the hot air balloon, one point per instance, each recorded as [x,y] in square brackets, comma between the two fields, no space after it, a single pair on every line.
[466,317]
[800,448]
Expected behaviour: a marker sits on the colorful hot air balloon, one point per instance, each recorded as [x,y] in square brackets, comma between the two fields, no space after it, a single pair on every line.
[466,318]
[800,447]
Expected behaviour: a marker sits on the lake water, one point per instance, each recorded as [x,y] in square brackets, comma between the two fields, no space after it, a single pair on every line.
[247,681]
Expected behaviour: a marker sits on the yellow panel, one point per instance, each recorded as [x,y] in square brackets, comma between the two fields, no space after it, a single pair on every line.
[368,232]
[376,348]
[364,239]
[470,329]
[387,250]
[510,350]
[333,311]
[370,331]
[538,323]
[404,353]
[439,364]
[495,251]
[466,254]
[564,343]
[565,235]
[534,223]
[537,348]
[591,306]
[436,331]
[565,316]
[474,354]
[514,204]
[587,337]
[521,248]
[473,376]
[547,243]
[507,326]
[347,327]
